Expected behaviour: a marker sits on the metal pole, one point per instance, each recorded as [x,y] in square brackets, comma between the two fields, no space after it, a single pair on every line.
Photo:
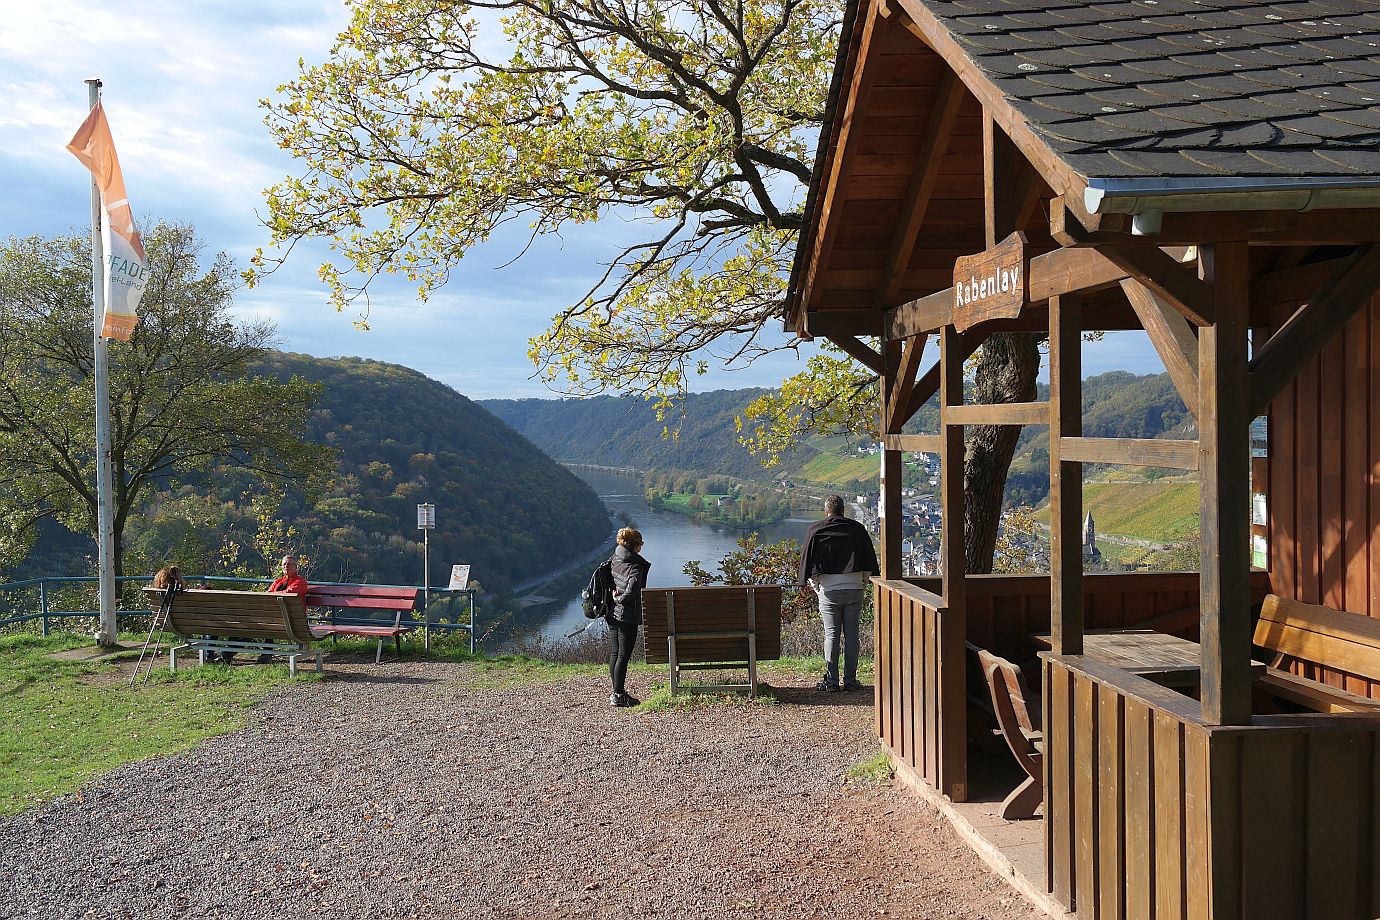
[43,605]
[471,594]
[105,534]
[426,588]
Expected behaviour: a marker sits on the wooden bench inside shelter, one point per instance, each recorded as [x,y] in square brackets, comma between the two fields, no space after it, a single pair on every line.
[255,622]
[1011,701]
[712,628]
[353,602]
[1296,631]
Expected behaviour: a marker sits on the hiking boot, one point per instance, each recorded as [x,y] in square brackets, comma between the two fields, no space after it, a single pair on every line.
[827,687]
[630,700]
[852,686]
[615,699]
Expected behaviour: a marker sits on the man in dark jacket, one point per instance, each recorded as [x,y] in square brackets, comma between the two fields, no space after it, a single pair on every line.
[837,562]
[629,571]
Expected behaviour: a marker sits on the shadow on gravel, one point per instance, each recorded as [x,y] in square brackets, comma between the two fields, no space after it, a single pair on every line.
[355,677]
[809,696]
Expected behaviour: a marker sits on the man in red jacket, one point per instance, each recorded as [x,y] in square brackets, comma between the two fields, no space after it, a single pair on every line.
[290,581]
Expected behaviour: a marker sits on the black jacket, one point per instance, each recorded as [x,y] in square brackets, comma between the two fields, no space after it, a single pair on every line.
[835,546]
[629,578]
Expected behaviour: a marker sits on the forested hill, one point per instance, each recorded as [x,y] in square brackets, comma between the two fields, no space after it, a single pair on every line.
[624,431]
[402,438]
[501,504]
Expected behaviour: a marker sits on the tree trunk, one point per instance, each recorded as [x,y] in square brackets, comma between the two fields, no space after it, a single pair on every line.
[1006,373]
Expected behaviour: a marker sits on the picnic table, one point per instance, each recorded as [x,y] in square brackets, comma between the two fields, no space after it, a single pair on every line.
[1165,659]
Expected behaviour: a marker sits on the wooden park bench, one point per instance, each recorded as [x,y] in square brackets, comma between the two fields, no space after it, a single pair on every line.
[713,628]
[1011,702]
[1334,638]
[255,622]
[357,600]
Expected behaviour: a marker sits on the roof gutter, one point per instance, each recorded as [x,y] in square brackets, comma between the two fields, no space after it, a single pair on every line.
[1146,200]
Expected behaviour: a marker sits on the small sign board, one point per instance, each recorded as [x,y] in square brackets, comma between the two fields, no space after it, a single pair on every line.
[426,517]
[990,284]
[459,578]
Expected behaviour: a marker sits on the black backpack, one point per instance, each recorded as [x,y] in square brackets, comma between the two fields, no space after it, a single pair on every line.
[597,597]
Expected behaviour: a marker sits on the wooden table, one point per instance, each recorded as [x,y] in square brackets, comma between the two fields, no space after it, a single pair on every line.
[1163,658]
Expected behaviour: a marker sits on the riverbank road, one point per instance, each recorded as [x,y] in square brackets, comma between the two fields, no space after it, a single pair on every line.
[436,789]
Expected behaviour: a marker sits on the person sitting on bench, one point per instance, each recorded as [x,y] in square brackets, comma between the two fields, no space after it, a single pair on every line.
[290,581]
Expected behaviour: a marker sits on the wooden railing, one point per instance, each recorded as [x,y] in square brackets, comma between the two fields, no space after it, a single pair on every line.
[1155,814]
[921,713]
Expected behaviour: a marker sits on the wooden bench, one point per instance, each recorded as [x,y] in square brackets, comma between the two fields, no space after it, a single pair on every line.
[1306,632]
[360,599]
[256,622]
[712,628]
[1010,700]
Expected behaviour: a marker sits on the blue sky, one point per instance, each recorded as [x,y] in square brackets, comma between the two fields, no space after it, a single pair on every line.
[182,84]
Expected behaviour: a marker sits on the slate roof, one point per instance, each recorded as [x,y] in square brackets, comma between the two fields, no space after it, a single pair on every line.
[1186,88]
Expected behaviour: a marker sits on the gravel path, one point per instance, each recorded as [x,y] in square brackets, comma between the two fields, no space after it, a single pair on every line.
[411,790]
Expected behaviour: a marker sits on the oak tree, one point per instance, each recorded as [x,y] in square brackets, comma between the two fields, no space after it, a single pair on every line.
[181,398]
[433,123]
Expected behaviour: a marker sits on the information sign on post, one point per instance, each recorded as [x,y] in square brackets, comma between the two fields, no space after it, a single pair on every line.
[426,523]
[459,578]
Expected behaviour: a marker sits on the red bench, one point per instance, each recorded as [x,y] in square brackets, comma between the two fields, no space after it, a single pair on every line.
[360,600]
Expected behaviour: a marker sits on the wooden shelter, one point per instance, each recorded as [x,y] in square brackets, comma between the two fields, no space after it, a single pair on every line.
[1208,171]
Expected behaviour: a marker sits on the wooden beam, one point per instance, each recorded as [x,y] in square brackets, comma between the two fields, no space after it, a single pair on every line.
[914,443]
[860,352]
[1029,189]
[1294,282]
[1061,271]
[860,322]
[922,183]
[1156,452]
[1066,271]
[953,658]
[1166,276]
[1308,228]
[1172,337]
[1224,472]
[999,162]
[856,92]
[1313,325]
[889,507]
[898,403]
[1031,413]
[1065,419]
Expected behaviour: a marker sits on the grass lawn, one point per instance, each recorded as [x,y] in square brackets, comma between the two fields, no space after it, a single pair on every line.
[65,722]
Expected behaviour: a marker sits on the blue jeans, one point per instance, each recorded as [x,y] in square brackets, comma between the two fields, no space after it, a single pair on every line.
[840,611]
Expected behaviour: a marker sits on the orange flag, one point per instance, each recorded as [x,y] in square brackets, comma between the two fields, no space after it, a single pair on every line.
[126,270]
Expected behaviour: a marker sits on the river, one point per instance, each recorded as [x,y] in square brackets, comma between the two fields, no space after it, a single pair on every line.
[671,541]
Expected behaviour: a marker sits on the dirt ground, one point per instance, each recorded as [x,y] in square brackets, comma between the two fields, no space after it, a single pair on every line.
[427,789]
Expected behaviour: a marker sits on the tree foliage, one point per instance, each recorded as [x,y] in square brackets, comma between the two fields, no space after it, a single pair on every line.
[433,123]
[180,399]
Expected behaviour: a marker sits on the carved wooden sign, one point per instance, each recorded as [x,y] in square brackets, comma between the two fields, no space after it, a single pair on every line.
[990,284]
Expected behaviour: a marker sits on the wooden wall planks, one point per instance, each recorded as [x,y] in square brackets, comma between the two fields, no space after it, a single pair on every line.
[1155,815]
[914,690]
[1324,497]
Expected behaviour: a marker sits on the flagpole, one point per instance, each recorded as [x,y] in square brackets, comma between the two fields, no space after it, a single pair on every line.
[105,534]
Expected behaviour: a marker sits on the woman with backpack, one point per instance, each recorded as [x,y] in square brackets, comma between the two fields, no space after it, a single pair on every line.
[629,578]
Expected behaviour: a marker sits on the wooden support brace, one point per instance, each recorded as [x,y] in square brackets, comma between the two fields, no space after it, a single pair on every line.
[1172,337]
[898,405]
[860,352]
[914,443]
[1313,325]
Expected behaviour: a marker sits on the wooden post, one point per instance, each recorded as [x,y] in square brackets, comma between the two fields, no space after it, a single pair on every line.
[1224,468]
[999,161]
[951,552]
[889,506]
[953,658]
[1065,476]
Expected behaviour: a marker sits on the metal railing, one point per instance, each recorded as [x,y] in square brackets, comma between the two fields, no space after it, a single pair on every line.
[14,610]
